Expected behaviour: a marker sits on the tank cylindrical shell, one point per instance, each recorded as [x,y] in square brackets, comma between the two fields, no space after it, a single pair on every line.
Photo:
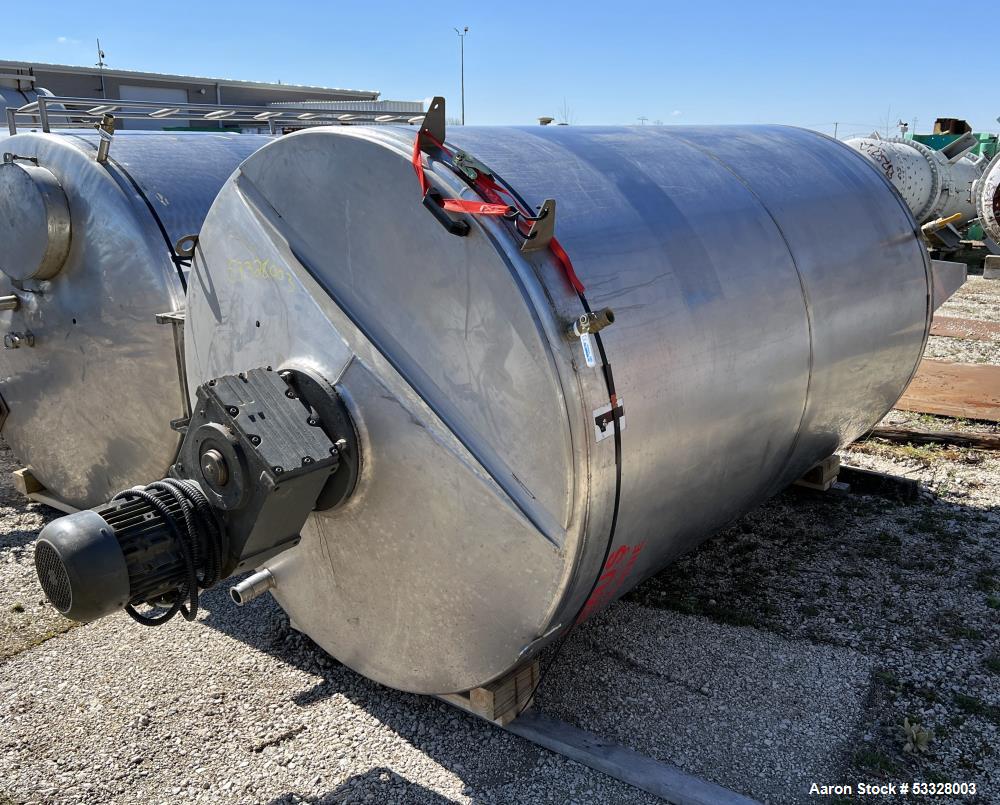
[932,186]
[87,248]
[771,301]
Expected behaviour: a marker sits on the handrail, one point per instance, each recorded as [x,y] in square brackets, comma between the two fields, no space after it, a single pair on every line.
[69,112]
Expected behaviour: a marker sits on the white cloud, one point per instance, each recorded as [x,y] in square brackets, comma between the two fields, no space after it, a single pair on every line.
[676,113]
[65,40]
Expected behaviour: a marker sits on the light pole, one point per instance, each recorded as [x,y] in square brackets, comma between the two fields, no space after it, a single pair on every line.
[461,36]
[100,65]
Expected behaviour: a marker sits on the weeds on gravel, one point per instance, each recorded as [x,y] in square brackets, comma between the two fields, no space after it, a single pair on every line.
[888,678]
[872,759]
[916,738]
[977,707]
[63,626]
[986,580]
[992,663]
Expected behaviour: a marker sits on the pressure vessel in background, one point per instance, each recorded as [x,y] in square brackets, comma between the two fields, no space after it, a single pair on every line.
[988,200]
[935,184]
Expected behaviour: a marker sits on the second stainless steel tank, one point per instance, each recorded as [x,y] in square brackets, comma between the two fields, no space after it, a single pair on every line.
[88,249]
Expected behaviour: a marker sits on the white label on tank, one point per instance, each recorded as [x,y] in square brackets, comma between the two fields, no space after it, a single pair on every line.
[588,350]
[604,421]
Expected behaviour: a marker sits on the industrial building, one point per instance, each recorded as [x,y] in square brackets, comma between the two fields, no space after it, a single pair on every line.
[21,82]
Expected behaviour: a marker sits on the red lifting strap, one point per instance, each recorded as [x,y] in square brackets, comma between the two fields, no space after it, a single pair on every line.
[494,204]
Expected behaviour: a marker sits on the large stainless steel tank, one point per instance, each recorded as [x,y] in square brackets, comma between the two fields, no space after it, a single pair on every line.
[772,301]
[88,249]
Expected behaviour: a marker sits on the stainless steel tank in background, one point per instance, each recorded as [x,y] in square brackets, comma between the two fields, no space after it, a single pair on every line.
[935,184]
[988,199]
[771,297]
[89,380]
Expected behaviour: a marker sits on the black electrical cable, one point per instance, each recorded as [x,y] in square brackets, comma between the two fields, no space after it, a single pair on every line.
[615,415]
[202,540]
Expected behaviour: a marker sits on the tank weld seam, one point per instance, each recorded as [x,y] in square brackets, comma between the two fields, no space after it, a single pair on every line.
[916,231]
[134,185]
[492,464]
[802,289]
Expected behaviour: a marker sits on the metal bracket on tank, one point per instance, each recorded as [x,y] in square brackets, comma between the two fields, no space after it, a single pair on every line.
[176,318]
[185,246]
[10,158]
[605,419]
[434,122]
[543,228]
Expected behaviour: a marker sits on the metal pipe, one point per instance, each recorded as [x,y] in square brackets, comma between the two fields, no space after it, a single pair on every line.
[252,586]
[106,129]
[10,302]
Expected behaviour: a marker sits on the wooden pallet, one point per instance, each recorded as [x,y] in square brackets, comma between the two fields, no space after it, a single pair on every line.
[822,476]
[830,475]
[502,701]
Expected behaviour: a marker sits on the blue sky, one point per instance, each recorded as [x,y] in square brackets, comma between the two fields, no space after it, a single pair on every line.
[804,63]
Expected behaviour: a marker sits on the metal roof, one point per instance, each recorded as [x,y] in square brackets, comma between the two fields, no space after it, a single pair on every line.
[7,66]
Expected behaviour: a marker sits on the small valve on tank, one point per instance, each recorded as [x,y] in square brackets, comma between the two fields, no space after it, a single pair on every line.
[587,324]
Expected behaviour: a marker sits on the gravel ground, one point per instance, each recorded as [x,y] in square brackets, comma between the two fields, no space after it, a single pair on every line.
[978,299]
[26,619]
[786,650]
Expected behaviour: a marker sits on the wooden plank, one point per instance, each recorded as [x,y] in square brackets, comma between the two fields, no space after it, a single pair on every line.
[622,763]
[970,391]
[501,701]
[28,485]
[870,482]
[51,500]
[959,438]
[25,482]
[967,329]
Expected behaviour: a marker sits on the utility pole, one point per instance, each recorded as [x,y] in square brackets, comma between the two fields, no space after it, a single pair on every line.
[100,65]
[835,127]
[642,120]
[461,37]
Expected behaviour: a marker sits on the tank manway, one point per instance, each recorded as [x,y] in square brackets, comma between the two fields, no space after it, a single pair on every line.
[474,486]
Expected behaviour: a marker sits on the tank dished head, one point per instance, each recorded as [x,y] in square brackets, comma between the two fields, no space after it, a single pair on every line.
[34,221]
